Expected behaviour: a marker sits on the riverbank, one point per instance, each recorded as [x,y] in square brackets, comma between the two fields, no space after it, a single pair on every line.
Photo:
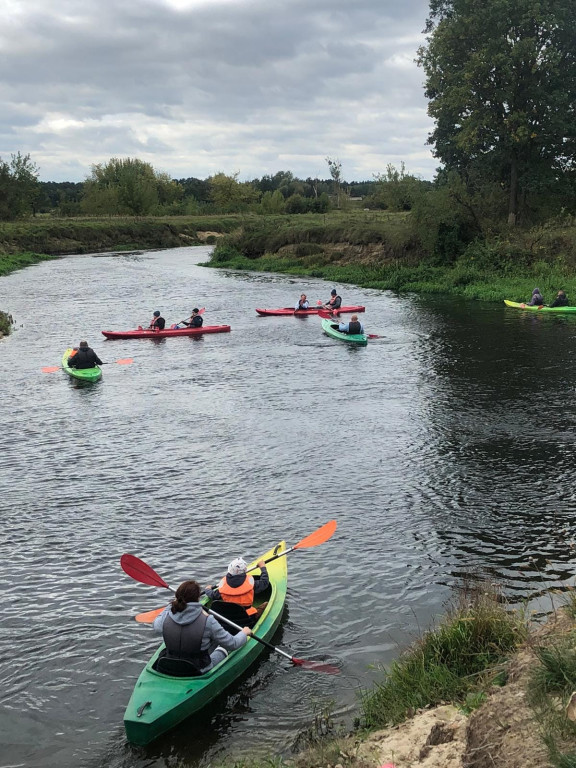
[58,237]
[514,711]
[386,252]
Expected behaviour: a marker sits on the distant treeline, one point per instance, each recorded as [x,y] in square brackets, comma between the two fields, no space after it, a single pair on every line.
[194,195]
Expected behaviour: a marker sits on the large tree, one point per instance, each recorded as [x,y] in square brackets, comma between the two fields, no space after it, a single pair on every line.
[18,186]
[128,186]
[501,80]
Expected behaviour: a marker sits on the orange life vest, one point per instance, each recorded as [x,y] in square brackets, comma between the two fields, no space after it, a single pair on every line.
[242,595]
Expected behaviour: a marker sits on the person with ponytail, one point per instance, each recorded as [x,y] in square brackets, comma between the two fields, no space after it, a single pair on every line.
[190,633]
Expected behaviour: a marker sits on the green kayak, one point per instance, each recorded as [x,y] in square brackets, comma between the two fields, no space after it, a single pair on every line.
[351,338]
[159,702]
[540,308]
[83,374]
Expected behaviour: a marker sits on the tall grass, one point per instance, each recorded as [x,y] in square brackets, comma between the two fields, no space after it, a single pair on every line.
[462,656]
[552,683]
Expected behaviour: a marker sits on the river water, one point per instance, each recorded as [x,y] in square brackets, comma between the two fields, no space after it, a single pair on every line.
[443,449]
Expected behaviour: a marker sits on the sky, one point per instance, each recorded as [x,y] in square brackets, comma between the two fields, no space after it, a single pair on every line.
[199,87]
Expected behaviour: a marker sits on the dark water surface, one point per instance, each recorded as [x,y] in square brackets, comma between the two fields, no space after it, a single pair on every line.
[443,449]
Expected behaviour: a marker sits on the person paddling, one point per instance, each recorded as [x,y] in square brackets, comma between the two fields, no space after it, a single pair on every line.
[157,323]
[195,320]
[189,632]
[83,357]
[354,326]
[239,587]
[334,302]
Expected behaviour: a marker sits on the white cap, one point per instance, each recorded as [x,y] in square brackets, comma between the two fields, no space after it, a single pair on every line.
[237,567]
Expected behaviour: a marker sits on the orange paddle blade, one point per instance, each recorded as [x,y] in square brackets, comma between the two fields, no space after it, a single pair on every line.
[149,616]
[318,537]
[125,361]
[50,368]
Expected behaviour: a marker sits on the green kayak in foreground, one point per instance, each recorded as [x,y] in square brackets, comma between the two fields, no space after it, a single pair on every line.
[159,701]
[82,374]
[540,308]
[351,338]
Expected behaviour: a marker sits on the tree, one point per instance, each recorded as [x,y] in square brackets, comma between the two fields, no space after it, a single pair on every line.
[19,187]
[396,190]
[127,186]
[229,195]
[335,167]
[501,80]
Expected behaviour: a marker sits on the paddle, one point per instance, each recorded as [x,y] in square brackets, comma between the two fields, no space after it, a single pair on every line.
[316,666]
[142,572]
[124,361]
[200,312]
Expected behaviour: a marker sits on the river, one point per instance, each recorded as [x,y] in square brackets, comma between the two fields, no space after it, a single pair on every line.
[444,449]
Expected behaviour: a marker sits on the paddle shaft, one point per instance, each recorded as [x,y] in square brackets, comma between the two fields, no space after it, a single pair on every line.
[254,637]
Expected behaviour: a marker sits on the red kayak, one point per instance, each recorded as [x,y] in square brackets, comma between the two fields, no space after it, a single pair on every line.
[142,333]
[299,312]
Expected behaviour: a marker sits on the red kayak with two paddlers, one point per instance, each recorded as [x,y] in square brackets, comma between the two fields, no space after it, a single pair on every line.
[302,312]
[150,333]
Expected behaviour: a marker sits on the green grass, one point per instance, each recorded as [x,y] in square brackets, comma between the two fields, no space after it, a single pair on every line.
[552,683]
[454,662]
[11,262]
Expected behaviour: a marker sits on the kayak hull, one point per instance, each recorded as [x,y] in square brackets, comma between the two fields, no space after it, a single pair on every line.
[167,332]
[82,374]
[540,308]
[303,312]
[159,702]
[359,339]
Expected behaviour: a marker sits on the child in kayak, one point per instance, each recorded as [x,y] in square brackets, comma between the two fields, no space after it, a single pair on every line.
[189,632]
[302,303]
[83,357]
[240,588]
[537,299]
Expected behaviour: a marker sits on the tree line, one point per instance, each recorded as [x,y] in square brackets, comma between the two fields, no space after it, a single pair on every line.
[132,187]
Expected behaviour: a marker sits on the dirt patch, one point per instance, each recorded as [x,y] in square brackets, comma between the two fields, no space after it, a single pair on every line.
[203,236]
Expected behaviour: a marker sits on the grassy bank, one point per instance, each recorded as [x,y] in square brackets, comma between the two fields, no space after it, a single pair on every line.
[384,251]
[90,235]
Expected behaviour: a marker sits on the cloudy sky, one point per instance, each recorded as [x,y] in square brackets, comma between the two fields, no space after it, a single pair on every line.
[196,87]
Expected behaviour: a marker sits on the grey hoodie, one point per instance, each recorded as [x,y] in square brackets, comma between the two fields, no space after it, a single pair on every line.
[214,633]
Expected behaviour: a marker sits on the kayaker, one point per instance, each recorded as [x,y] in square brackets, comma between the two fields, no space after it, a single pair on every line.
[195,320]
[189,632]
[354,326]
[239,587]
[157,322]
[537,299]
[334,302]
[302,303]
[83,357]
[561,300]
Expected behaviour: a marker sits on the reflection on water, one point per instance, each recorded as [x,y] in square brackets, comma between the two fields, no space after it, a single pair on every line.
[444,448]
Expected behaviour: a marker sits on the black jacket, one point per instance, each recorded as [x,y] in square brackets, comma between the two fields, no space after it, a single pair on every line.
[84,358]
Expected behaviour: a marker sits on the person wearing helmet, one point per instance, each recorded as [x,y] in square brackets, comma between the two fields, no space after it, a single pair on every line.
[240,587]
[334,302]
[195,320]
[157,323]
